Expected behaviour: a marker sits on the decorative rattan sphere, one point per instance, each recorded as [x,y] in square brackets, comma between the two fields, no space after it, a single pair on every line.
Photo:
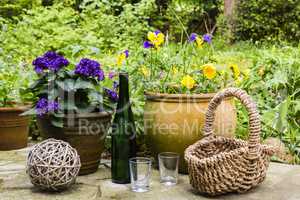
[53,165]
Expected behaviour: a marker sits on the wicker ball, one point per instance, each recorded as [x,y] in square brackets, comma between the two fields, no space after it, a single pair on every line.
[53,165]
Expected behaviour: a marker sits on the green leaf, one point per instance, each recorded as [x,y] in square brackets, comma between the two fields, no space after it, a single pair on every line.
[280,77]
[68,106]
[29,112]
[95,96]
[61,74]
[83,84]
[67,85]
[53,94]
[58,115]
[57,122]
[95,50]
[38,83]
[282,117]
[297,106]
[76,49]
[51,77]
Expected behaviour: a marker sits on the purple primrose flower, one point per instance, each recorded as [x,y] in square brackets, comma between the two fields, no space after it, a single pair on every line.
[148,45]
[192,37]
[112,95]
[43,106]
[89,68]
[111,75]
[157,32]
[207,38]
[49,61]
[115,85]
[126,52]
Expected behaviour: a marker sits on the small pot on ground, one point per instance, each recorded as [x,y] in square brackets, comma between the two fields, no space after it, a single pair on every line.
[84,132]
[13,128]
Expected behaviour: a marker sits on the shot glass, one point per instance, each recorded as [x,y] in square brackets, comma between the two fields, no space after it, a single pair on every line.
[168,168]
[140,171]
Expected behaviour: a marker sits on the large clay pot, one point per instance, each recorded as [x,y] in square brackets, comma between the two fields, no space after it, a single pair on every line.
[174,121]
[85,132]
[13,128]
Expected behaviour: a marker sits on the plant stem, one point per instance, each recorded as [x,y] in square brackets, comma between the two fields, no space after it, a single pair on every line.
[180,22]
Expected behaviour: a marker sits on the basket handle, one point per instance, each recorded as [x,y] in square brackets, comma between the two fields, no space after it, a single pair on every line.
[254,120]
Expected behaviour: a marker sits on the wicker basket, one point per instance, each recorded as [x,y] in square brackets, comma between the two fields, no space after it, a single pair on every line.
[219,165]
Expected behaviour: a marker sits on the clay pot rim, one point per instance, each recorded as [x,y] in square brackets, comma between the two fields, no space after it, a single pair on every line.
[91,115]
[101,114]
[151,96]
[17,108]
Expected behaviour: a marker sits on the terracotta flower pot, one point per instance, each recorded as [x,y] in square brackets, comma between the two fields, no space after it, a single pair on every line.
[13,128]
[174,121]
[85,132]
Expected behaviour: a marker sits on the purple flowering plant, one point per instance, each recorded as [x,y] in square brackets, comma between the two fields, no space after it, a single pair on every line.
[50,61]
[43,106]
[63,87]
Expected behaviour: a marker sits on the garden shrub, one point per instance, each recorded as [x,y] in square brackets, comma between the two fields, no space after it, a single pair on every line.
[90,32]
[10,8]
[273,83]
[178,16]
[172,16]
[268,20]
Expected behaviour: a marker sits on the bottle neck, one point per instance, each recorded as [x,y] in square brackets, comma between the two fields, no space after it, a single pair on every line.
[123,89]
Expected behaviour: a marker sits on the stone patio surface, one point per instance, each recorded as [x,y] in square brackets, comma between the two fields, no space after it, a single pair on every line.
[282,183]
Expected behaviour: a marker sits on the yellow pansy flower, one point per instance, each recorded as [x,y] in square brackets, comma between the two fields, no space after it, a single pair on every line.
[151,36]
[145,71]
[235,69]
[174,70]
[160,38]
[199,42]
[188,82]
[156,38]
[121,57]
[209,71]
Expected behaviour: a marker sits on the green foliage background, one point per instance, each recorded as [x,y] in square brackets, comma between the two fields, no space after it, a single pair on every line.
[10,8]
[254,19]
[268,20]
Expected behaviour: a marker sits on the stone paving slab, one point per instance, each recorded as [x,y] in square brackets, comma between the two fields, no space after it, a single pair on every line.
[282,183]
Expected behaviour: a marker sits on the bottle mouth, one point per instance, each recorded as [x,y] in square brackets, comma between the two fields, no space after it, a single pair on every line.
[123,74]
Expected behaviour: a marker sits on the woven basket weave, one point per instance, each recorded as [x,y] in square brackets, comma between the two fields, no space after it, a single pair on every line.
[219,165]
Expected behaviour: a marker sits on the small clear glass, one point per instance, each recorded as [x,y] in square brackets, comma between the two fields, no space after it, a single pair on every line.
[140,171]
[168,168]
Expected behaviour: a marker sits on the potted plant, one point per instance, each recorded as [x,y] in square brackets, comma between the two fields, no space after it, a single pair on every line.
[180,80]
[13,127]
[73,104]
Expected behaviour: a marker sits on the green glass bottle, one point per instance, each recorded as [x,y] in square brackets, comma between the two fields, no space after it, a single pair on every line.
[123,135]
